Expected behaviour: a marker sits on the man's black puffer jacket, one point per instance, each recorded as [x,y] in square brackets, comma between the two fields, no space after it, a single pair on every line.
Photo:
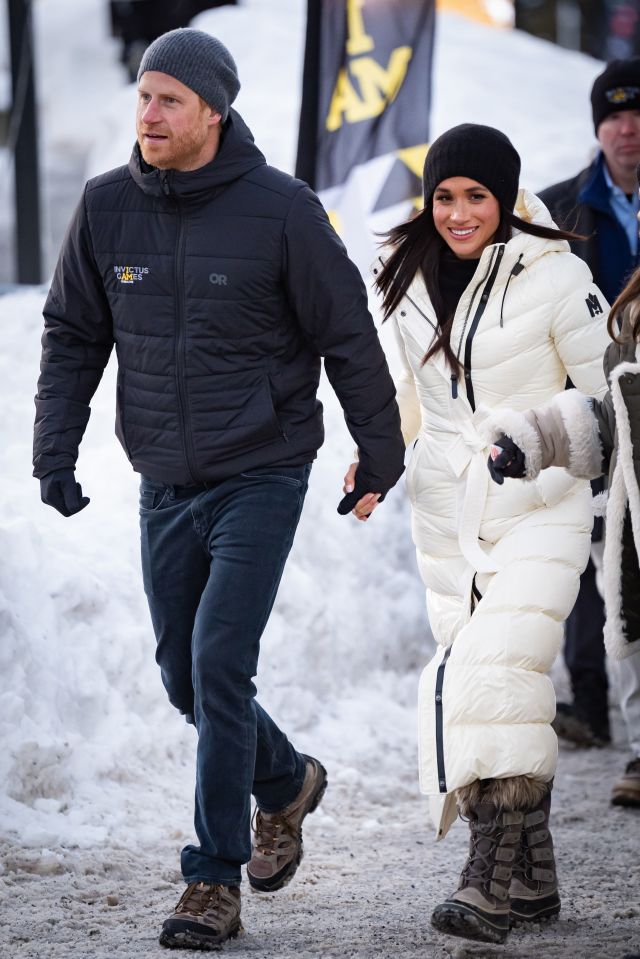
[221,289]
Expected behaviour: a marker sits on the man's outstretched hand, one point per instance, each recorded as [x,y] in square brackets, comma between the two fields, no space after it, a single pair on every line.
[60,490]
[359,499]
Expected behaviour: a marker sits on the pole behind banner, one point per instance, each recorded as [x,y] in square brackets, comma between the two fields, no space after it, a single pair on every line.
[308,129]
[23,141]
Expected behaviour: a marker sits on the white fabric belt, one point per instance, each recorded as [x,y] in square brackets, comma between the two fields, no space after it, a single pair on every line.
[466,451]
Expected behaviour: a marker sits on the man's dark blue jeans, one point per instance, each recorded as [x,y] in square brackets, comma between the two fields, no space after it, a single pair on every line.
[212,559]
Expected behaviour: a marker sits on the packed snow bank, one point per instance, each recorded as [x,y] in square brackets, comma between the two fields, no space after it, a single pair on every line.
[83,717]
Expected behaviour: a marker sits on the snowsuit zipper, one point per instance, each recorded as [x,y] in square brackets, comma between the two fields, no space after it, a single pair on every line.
[416,307]
[474,325]
[442,778]
[454,375]
[454,378]
[476,595]
[516,270]
[492,272]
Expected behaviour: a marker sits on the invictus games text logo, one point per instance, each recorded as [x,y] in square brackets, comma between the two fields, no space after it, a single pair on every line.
[622,94]
[130,274]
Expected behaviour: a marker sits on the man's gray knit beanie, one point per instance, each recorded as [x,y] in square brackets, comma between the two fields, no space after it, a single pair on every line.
[199,61]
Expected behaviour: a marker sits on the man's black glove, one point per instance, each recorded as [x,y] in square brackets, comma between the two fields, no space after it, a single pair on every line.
[362,486]
[60,490]
[508,460]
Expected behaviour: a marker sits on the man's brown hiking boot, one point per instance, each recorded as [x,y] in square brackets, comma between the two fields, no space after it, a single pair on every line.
[626,789]
[534,885]
[277,836]
[205,917]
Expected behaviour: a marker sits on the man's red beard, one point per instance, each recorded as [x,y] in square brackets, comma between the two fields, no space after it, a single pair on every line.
[174,151]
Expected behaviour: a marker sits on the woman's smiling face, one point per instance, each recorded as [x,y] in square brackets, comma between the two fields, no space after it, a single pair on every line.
[466,215]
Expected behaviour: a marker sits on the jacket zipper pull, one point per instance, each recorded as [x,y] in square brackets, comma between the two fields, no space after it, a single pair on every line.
[515,271]
[454,386]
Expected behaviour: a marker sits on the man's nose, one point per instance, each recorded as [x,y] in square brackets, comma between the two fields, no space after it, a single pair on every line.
[150,112]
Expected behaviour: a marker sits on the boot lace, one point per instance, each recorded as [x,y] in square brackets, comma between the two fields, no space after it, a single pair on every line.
[481,862]
[269,831]
[199,897]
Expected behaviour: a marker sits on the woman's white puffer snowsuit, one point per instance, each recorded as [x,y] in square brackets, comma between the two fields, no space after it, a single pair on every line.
[501,563]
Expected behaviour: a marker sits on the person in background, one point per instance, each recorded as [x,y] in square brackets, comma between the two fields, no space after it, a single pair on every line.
[601,203]
[489,304]
[222,284]
[588,437]
[137,23]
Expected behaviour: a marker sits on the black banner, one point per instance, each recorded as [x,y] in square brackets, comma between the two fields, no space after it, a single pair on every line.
[367,86]
[364,124]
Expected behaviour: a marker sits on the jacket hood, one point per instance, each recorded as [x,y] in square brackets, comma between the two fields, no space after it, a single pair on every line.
[236,156]
[530,208]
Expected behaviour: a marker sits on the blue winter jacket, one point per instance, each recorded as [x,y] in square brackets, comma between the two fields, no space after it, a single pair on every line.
[581,204]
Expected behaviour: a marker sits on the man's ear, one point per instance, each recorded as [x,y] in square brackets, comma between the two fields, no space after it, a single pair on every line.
[214,118]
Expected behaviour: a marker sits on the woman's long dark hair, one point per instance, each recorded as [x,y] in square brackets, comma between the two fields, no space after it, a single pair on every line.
[417,245]
[630,294]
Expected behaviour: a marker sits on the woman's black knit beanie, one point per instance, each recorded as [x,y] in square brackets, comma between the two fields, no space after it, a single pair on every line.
[479,153]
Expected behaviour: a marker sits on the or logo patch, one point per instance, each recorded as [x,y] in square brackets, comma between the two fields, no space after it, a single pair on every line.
[593,303]
[130,274]
[622,94]
[218,279]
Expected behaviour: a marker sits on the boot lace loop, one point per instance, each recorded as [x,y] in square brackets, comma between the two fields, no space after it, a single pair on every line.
[480,863]
[198,897]
[269,831]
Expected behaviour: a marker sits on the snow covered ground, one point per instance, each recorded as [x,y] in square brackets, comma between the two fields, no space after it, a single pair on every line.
[96,771]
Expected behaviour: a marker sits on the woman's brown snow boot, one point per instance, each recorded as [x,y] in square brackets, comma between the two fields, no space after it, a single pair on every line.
[480,909]
[534,885]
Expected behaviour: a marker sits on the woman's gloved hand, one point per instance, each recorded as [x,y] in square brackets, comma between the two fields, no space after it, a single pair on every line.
[506,459]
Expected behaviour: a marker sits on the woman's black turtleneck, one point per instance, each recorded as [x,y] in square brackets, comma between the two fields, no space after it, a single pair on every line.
[454,277]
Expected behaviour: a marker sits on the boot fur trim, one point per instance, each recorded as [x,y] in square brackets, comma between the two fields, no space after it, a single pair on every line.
[514,793]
